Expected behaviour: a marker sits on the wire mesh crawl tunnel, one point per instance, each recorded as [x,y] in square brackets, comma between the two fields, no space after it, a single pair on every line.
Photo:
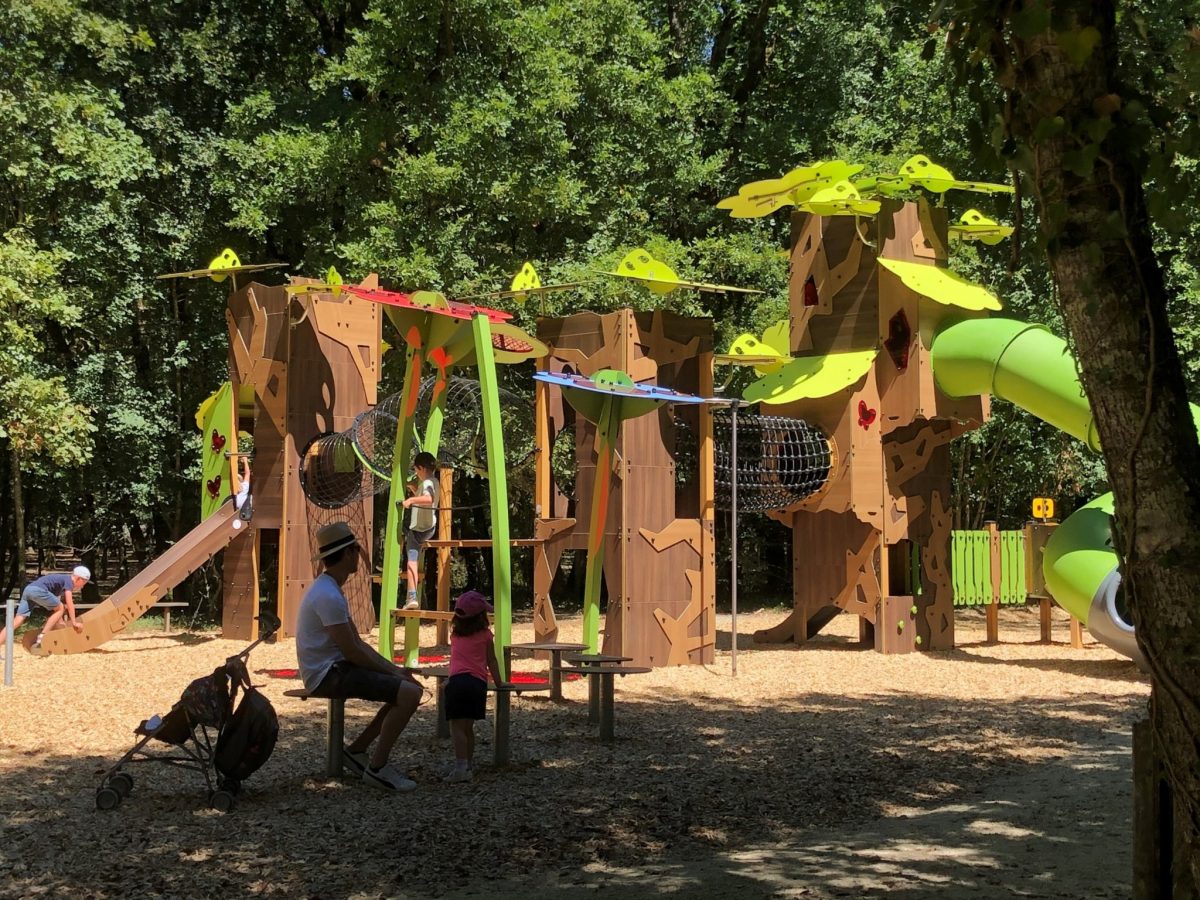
[781,461]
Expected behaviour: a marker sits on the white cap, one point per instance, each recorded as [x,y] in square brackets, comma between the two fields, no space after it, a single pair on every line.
[82,572]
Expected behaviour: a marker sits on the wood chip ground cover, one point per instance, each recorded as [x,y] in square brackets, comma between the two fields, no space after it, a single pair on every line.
[816,771]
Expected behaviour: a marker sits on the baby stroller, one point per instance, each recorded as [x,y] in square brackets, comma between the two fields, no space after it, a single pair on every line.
[243,739]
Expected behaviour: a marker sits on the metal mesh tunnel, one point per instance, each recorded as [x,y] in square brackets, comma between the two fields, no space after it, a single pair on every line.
[781,461]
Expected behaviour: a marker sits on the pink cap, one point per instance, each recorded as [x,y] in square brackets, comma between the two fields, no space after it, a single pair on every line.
[471,603]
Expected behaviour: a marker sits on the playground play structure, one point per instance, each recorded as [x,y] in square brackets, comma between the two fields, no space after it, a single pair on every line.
[885,358]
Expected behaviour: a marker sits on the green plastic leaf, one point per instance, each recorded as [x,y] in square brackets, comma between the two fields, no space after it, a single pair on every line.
[975,226]
[839,200]
[942,285]
[810,377]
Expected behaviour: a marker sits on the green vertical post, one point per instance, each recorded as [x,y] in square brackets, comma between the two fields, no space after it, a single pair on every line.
[493,432]
[393,537]
[606,439]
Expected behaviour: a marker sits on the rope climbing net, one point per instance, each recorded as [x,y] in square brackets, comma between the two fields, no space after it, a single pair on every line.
[338,469]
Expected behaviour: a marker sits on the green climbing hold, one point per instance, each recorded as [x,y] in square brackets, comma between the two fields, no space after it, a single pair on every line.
[917,640]
[900,625]
[913,609]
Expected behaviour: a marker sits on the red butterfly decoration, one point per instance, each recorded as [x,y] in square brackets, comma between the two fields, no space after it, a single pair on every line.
[866,415]
[214,486]
[218,441]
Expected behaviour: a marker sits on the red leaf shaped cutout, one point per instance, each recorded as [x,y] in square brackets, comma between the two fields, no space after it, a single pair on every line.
[866,415]
[218,441]
[214,486]
[899,339]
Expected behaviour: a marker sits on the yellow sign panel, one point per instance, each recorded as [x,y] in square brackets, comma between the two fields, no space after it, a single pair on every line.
[1043,508]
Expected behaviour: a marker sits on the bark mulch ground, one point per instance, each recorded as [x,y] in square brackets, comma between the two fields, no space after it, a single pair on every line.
[817,771]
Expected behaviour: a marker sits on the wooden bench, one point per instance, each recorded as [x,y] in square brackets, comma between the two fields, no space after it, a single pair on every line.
[335,730]
[502,748]
[165,605]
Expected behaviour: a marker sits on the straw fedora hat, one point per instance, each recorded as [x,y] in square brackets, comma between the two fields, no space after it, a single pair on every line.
[333,537]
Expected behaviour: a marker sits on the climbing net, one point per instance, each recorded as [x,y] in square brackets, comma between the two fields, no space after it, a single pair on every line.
[338,469]
[781,461]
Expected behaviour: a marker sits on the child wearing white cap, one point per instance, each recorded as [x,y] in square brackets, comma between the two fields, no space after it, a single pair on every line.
[54,593]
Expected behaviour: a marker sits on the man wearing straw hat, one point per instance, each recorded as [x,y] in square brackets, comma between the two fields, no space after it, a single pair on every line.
[336,662]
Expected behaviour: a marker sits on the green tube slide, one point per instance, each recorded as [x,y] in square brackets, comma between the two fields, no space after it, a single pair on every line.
[1025,364]
[1032,368]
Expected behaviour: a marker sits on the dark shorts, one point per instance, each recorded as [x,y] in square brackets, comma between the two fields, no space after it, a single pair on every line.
[466,697]
[414,541]
[346,680]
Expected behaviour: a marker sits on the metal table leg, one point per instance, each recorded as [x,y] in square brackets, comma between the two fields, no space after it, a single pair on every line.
[556,675]
[335,717]
[593,697]
[443,726]
[606,706]
[502,727]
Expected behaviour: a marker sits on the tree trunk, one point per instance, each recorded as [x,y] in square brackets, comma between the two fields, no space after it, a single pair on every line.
[1114,302]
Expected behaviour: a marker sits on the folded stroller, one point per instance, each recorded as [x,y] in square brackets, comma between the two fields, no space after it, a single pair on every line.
[205,734]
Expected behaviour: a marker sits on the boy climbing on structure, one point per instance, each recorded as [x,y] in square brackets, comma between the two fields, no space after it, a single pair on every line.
[423,520]
[55,594]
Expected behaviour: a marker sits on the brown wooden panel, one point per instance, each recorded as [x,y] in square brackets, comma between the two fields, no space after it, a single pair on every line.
[895,627]
[239,591]
[835,561]
[867,491]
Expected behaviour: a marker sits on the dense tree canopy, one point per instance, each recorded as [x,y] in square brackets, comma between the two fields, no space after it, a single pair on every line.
[442,145]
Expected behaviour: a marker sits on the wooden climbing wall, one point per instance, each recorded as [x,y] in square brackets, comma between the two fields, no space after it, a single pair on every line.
[659,569]
[313,361]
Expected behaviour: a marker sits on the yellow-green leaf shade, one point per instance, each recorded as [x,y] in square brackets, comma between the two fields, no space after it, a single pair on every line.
[639,265]
[810,377]
[975,226]
[942,285]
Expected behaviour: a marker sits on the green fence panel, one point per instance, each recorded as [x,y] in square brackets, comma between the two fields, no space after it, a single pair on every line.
[971,567]
[970,572]
[1012,567]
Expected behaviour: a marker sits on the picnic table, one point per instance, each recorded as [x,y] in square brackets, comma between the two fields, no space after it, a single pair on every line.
[503,709]
[556,649]
[601,670]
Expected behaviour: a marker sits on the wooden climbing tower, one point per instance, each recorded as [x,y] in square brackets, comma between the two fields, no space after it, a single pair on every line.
[876,540]
[311,362]
[659,561]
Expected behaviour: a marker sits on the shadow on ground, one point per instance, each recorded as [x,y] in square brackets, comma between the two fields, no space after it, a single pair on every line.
[818,795]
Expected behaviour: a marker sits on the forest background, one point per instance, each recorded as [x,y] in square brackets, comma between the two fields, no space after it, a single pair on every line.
[442,145]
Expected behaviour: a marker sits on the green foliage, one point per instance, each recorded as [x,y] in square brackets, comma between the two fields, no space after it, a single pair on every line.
[443,146]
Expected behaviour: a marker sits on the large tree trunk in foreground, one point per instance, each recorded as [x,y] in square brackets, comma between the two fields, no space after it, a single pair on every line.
[1114,301]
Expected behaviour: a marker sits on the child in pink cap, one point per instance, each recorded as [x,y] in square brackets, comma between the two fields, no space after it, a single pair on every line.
[472,657]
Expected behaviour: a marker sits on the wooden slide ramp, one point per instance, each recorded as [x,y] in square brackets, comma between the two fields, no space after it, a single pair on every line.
[149,586]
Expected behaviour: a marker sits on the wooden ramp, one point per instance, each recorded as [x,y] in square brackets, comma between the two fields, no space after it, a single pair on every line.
[142,591]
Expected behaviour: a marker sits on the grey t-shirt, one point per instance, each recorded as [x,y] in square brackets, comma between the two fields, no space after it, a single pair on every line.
[424,518]
[323,604]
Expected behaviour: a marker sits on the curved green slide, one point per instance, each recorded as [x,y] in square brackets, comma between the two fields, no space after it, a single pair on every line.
[1031,367]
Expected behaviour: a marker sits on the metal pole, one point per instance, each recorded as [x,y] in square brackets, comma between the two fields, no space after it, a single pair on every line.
[8,640]
[733,527]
